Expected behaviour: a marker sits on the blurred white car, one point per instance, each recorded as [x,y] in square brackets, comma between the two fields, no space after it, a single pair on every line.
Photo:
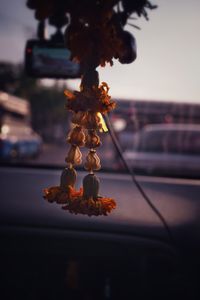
[17,138]
[166,148]
[19,142]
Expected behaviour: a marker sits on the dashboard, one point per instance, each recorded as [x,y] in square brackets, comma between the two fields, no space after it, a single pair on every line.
[47,253]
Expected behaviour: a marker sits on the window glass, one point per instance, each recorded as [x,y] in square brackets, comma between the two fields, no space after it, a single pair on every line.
[157,116]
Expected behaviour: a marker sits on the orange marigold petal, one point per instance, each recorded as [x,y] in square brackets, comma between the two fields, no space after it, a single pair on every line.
[56,194]
[50,194]
[69,94]
[90,207]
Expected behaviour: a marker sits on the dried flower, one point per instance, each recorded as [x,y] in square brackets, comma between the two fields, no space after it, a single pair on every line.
[89,120]
[92,140]
[74,156]
[76,136]
[78,118]
[92,161]
[92,121]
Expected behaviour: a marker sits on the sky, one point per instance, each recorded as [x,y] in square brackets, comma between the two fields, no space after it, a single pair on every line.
[168,62]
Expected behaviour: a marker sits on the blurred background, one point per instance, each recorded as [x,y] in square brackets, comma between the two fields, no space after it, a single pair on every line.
[157,119]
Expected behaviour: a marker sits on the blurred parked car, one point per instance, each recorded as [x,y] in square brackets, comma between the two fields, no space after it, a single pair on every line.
[17,138]
[19,142]
[166,148]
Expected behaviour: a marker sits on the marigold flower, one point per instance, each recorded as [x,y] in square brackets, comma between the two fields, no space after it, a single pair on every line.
[52,193]
[90,203]
[90,207]
[95,99]
[56,194]
[61,194]
[100,39]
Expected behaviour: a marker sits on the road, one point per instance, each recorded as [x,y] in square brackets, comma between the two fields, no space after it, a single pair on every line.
[55,155]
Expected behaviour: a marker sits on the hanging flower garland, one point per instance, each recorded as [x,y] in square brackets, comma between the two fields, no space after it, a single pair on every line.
[95,37]
[87,106]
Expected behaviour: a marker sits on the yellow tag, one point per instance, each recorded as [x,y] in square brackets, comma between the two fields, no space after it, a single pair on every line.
[104,127]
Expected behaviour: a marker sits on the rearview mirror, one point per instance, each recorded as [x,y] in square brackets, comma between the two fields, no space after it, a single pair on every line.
[47,59]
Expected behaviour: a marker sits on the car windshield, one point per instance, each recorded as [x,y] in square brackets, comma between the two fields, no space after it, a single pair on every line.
[157,116]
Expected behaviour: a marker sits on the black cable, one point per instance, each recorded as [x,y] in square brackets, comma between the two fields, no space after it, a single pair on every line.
[137,184]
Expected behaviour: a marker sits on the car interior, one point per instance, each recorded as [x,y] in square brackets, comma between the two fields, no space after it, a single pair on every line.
[148,246]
